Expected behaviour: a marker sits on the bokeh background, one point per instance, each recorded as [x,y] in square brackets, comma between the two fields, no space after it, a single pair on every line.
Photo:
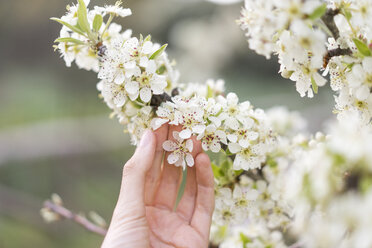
[55,134]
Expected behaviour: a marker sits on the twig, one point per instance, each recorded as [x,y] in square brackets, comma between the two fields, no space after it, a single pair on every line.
[328,19]
[67,214]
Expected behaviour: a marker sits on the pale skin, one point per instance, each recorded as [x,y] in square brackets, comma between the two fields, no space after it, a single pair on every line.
[144,216]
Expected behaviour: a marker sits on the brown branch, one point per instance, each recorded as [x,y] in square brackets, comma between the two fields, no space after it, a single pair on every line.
[328,19]
[67,214]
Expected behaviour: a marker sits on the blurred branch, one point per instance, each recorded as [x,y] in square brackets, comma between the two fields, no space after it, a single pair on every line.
[67,214]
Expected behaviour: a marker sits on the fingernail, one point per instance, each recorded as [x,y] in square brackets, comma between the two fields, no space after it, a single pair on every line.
[146,137]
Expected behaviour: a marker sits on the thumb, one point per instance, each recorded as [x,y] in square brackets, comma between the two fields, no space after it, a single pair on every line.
[134,172]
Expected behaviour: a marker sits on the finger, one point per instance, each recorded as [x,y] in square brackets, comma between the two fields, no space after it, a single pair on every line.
[204,205]
[187,204]
[154,174]
[170,178]
[134,173]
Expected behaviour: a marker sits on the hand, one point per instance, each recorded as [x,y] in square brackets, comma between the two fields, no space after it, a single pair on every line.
[144,215]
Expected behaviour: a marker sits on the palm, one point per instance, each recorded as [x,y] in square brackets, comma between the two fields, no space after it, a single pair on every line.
[188,226]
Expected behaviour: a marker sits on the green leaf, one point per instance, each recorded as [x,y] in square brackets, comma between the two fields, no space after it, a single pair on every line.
[347,14]
[72,40]
[318,12]
[148,38]
[158,52]
[209,92]
[73,28]
[315,86]
[97,22]
[245,239]
[161,70]
[362,47]
[82,17]
[181,189]
[216,171]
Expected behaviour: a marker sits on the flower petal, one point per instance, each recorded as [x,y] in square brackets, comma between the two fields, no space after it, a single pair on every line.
[173,158]
[234,147]
[169,146]
[185,134]
[145,94]
[189,145]
[189,160]
[132,87]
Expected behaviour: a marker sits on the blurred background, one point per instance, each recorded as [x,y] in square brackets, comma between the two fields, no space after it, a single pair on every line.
[55,134]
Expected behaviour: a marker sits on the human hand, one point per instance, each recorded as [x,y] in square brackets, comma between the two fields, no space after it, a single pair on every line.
[144,215]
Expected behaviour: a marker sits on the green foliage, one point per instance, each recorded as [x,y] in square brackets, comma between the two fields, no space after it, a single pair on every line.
[75,29]
[314,85]
[97,23]
[245,239]
[224,172]
[71,40]
[83,17]
[362,47]
[181,189]
[158,52]
[318,12]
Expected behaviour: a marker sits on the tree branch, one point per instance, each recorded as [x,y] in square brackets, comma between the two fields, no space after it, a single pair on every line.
[328,19]
[67,214]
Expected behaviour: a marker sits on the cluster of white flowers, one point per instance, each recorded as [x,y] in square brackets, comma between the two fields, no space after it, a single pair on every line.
[331,187]
[251,208]
[140,85]
[221,122]
[271,177]
[297,32]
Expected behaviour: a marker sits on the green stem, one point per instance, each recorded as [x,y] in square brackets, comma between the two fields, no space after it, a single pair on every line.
[181,189]
[107,24]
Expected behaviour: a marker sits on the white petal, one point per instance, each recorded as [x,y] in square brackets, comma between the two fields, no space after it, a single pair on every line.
[130,65]
[132,87]
[237,193]
[189,160]
[252,135]
[215,147]
[147,47]
[158,87]
[216,121]
[367,64]
[119,99]
[144,61]
[205,146]
[151,67]
[234,147]
[232,137]
[158,122]
[176,136]
[252,195]
[145,94]
[169,146]
[221,136]
[133,97]
[189,145]
[362,93]
[232,123]
[173,158]
[198,129]
[185,134]
[119,78]
[244,143]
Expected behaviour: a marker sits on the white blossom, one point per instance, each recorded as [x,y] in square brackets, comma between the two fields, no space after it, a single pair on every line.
[180,151]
